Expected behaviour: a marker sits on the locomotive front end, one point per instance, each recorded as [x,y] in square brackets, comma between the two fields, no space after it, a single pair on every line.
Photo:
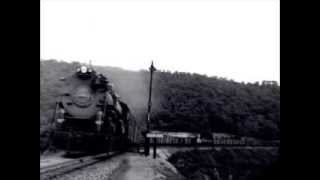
[88,109]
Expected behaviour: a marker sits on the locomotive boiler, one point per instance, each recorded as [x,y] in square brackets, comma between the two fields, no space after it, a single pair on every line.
[89,115]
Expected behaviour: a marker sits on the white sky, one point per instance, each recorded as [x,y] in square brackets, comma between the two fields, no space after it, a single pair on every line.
[228,38]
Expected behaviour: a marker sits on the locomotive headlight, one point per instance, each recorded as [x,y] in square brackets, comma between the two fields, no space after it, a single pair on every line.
[83,69]
[60,120]
[99,125]
[99,122]
[62,111]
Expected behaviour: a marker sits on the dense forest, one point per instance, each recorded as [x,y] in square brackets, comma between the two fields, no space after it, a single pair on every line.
[192,102]
[181,101]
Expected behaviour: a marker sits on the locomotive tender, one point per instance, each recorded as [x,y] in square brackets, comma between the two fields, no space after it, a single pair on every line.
[89,114]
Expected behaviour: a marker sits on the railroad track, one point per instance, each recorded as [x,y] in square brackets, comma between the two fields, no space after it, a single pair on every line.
[52,171]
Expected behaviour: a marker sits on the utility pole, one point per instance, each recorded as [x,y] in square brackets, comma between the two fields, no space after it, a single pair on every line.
[147,140]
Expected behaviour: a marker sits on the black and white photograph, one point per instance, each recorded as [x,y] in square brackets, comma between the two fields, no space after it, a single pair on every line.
[159,89]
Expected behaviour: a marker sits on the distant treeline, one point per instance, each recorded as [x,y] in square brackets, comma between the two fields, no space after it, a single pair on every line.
[181,101]
[192,102]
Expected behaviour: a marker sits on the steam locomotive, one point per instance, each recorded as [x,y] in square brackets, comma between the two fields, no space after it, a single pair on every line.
[89,115]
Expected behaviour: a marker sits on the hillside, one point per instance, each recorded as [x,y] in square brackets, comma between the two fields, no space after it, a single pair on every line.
[181,101]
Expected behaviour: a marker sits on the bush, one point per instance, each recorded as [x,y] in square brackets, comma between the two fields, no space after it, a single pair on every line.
[243,164]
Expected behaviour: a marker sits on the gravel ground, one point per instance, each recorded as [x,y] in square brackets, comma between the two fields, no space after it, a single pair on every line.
[99,171]
[53,158]
[128,166]
[139,167]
